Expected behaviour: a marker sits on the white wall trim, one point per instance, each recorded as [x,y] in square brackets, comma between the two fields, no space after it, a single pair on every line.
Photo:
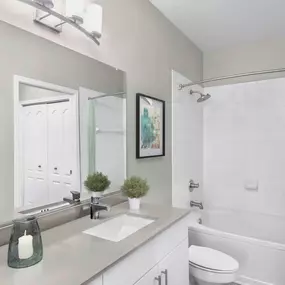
[67,94]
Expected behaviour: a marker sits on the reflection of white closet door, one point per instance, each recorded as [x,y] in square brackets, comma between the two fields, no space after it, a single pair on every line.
[34,155]
[70,173]
[62,154]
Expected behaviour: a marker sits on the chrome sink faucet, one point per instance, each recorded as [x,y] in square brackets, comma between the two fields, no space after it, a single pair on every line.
[96,207]
[196,204]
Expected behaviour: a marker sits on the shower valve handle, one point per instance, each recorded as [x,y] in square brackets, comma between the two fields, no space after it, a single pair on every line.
[193,185]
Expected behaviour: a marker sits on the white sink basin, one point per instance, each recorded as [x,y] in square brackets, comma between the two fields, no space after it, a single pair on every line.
[119,228]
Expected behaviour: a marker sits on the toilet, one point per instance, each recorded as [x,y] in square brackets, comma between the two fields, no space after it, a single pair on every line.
[211,267]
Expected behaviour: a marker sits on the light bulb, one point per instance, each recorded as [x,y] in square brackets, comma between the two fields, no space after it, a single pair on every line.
[75,10]
[47,3]
[93,19]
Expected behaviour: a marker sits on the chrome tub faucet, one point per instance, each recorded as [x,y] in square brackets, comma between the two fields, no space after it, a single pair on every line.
[196,204]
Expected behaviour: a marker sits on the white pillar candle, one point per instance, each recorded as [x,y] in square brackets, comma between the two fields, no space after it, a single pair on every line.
[25,246]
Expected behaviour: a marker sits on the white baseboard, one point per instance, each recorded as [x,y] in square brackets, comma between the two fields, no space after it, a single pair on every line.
[244,280]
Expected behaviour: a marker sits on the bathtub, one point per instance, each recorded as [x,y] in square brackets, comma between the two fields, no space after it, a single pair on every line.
[256,241]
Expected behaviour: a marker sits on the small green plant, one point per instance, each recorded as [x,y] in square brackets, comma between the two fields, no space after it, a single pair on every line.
[135,187]
[97,182]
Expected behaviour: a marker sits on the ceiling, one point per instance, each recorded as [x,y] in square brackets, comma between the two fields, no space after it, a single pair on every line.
[216,24]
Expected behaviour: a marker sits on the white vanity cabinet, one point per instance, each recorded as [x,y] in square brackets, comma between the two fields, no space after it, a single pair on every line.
[151,278]
[174,268]
[161,261]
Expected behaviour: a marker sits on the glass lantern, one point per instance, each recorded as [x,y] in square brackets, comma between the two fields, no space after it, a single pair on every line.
[25,247]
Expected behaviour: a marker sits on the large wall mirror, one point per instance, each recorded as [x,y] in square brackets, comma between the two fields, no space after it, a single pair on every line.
[63,116]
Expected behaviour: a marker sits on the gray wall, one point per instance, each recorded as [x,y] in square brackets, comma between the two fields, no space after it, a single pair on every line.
[245,58]
[24,54]
[138,39]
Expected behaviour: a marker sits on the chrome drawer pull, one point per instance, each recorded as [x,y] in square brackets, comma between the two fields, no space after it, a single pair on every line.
[158,279]
[165,272]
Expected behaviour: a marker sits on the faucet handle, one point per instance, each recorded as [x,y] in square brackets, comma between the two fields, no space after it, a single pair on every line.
[193,185]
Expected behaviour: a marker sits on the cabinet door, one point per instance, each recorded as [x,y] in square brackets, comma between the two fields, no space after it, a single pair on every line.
[150,278]
[97,281]
[174,268]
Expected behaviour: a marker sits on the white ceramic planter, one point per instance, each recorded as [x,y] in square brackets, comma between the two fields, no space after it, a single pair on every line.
[97,194]
[134,203]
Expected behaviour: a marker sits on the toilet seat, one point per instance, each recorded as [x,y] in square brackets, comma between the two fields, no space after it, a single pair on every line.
[210,270]
[212,260]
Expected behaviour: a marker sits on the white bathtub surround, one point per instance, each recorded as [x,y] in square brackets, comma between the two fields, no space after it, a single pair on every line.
[251,185]
[245,237]
[134,203]
[243,142]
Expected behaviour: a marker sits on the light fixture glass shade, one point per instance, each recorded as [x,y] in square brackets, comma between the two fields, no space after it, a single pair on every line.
[93,19]
[47,3]
[75,8]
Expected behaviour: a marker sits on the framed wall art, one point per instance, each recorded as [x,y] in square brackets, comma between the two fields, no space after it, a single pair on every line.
[150,126]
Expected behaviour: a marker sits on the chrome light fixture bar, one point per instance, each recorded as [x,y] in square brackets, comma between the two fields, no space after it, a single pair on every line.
[94,36]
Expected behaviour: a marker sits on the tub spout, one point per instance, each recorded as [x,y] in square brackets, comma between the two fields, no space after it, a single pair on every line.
[196,204]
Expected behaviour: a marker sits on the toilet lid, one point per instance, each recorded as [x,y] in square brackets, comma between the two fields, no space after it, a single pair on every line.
[209,258]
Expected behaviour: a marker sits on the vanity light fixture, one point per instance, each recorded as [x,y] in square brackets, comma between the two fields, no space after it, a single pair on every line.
[74,9]
[93,19]
[47,3]
[74,18]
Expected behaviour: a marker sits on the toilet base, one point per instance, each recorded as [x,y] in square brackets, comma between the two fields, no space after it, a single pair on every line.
[201,277]
[195,281]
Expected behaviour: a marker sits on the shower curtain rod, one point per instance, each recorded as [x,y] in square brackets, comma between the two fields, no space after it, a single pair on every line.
[269,71]
[107,95]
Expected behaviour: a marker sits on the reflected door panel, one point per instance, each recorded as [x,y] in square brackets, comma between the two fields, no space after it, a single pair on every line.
[62,153]
[70,173]
[34,124]
[49,152]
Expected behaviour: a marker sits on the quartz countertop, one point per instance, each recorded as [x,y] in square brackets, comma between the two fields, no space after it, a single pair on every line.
[74,258]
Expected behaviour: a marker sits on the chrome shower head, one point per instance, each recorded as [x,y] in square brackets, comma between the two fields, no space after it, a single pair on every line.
[203,97]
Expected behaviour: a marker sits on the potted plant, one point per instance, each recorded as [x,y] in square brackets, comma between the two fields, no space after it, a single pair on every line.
[97,183]
[135,188]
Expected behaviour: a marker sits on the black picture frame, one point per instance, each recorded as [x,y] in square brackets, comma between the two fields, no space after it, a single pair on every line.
[142,153]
